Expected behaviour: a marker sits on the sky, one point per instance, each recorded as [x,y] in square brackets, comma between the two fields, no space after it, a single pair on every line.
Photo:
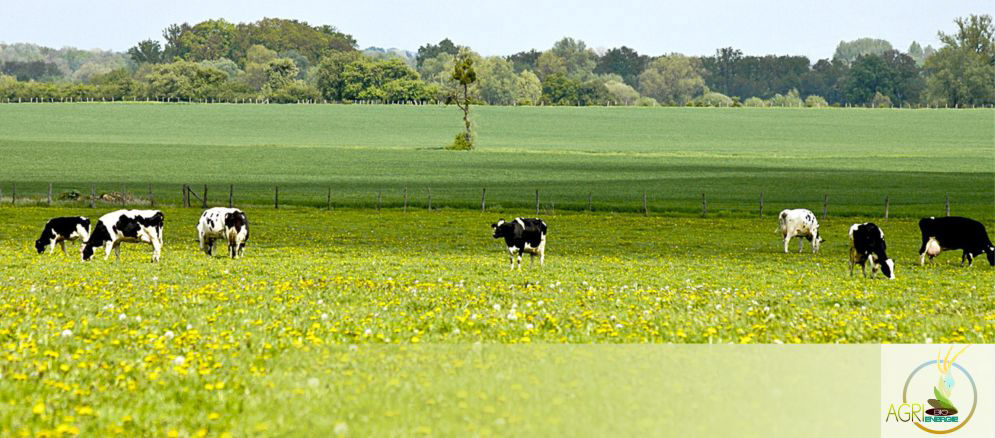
[757,27]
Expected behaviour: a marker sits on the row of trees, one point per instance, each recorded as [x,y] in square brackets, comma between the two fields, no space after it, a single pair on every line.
[288,60]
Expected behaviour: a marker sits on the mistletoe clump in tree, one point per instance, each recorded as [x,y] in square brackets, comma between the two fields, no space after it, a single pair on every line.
[464,75]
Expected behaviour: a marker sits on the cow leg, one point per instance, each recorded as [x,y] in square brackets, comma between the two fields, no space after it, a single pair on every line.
[519,260]
[542,255]
[970,259]
[52,249]
[156,250]
[117,251]
[62,244]
[922,252]
[787,240]
[108,247]
[801,243]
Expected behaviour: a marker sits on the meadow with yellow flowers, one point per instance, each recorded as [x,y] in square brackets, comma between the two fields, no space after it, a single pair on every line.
[320,326]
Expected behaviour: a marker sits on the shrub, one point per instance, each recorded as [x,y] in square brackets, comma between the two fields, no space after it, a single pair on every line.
[790,100]
[754,102]
[713,98]
[880,100]
[814,101]
[646,101]
[461,143]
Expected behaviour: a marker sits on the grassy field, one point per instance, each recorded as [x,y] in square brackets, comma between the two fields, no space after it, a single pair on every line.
[391,323]
[209,344]
[794,156]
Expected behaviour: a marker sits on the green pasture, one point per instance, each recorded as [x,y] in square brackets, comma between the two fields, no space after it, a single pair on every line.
[795,157]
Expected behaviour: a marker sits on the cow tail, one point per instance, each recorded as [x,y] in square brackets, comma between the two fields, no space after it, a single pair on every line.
[780,222]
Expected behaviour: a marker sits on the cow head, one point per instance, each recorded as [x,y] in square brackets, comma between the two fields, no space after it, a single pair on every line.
[991,255]
[888,269]
[40,245]
[87,251]
[501,228]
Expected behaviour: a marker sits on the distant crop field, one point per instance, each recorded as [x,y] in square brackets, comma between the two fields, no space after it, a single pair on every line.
[795,157]
[261,345]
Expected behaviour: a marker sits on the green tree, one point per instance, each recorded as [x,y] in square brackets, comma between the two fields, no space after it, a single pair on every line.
[465,75]
[496,81]
[257,66]
[528,88]
[209,39]
[146,52]
[961,72]
[624,62]
[433,50]
[578,60]
[280,72]
[673,79]
[621,93]
[869,74]
[849,51]
[329,74]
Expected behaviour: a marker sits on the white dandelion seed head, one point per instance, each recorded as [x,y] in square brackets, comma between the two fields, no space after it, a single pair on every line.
[179,360]
[122,317]
[67,333]
[169,334]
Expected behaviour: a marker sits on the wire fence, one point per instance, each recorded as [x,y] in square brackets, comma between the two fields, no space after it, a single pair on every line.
[520,200]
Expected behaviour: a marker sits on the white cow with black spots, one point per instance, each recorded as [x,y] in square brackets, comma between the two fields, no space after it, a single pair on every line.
[135,226]
[800,223]
[229,224]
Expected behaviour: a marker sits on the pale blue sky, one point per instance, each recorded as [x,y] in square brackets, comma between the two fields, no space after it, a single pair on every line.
[811,28]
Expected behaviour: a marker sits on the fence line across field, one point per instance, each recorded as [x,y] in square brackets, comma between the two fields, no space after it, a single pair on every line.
[188,195]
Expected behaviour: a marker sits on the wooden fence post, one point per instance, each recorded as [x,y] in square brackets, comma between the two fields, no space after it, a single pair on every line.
[948,203]
[589,199]
[13,193]
[151,198]
[704,205]
[825,206]
[276,197]
[429,199]
[329,198]
[646,211]
[537,202]
[49,193]
[483,200]
[405,200]
[761,204]
[887,204]
[231,195]
[93,194]
[203,202]
[379,199]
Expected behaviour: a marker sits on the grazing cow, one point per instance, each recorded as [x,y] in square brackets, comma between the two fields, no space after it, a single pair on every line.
[229,224]
[952,232]
[867,244]
[126,226]
[523,235]
[59,230]
[799,223]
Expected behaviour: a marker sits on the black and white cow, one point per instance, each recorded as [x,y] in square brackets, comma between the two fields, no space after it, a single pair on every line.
[867,244]
[523,235]
[59,230]
[951,233]
[229,224]
[135,226]
[800,223]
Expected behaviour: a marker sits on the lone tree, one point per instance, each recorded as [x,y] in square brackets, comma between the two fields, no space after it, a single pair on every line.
[464,75]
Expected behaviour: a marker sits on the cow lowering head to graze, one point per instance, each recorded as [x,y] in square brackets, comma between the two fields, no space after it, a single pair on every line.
[867,244]
[229,224]
[951,233]
[526,235]
[59,230]
[136,226]
[800,223]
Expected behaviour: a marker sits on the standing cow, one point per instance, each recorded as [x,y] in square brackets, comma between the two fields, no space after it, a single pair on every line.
[229,224]
[135,226]
[526,235]
[59,230]
[951,233]
[800,223]
[867,244]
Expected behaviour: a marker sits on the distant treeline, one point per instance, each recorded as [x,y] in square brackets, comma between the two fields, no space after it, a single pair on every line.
[280,60]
